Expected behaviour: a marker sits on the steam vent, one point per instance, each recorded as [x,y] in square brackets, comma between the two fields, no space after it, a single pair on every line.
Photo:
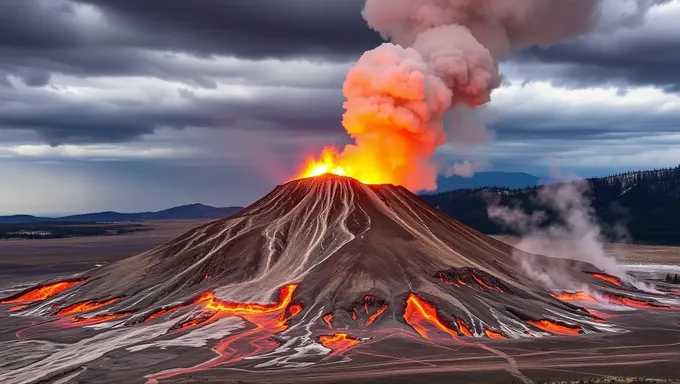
[311,271]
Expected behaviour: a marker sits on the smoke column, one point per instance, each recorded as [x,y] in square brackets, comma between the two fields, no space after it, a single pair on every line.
[442,54]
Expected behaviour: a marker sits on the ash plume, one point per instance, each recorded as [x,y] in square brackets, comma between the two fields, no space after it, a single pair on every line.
[442,54]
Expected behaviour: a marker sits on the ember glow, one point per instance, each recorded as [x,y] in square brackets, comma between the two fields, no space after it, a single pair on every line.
[555,328]
[635,303]
[85,306]
[327,319]
[493,334]
[573,296]
[268,319]
[44,292]
[463,328]
[612,279]
[418,312]
[376,315]
[338,342]
[485,285]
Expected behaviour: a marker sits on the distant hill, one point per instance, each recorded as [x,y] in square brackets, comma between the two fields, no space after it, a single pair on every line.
[646,202]
[184,212]
[513,180]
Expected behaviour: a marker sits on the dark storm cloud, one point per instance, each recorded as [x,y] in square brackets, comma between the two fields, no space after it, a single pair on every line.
[644,52]
[60,121]
[247,28]
[582,65]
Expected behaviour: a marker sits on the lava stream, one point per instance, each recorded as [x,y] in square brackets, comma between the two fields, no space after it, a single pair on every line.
[555,328]
[612,279]
[327,319]
[493,334]
[18,307]
[376,315]
[85,306]
[43,292]
[418,311]
[463,328]
[269,320]
[573,296]
[635,303]
[338,342]
[484,285]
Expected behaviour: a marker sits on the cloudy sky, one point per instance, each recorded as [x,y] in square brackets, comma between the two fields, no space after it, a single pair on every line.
[143,105]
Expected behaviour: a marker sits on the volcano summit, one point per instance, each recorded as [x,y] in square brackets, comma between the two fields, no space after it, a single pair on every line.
[310,272]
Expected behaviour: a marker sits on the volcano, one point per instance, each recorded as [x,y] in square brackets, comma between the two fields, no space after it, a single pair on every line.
[317,265]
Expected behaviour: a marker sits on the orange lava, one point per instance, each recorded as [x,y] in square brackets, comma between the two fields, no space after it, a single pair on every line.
[419,311]
[376,315]
[85,306]
[573,296]
[18,308]
[354,314]
[268,320]
[44,292]
[295,309]
[484,285]
[366,299]
[612,279]
[630,302]
[493,334]
[327,163]
[555,328]
[463,328]
[214,304]
[327,319]
[338,342]
[99,318]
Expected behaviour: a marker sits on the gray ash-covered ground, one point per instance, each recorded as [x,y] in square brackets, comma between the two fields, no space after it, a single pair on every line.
[326,279]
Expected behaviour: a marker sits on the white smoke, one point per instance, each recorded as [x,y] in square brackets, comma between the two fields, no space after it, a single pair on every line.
[567,228]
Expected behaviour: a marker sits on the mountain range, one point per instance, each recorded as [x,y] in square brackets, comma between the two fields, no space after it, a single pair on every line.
[513,180]
[184,212]
[645,203]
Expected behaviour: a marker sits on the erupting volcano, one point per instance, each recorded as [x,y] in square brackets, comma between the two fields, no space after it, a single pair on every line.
[318,254]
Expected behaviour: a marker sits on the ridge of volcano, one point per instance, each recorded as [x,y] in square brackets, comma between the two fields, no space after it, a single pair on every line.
[347,246]
[318,264]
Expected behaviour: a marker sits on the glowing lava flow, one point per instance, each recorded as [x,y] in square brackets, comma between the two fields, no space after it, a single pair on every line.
[630,302]
[419,311]
[573,296]
[338,342]
[555,328]
[612,279]
[44,292]
[327,319]
[376,315]
[494,335]
[85,306]
[463,328]
[268,319]
[485,285]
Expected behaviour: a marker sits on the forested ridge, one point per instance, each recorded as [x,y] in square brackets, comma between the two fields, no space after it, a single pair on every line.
[646,203]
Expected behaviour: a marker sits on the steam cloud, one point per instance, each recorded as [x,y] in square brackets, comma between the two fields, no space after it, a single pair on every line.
[573,233]
[443,54]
